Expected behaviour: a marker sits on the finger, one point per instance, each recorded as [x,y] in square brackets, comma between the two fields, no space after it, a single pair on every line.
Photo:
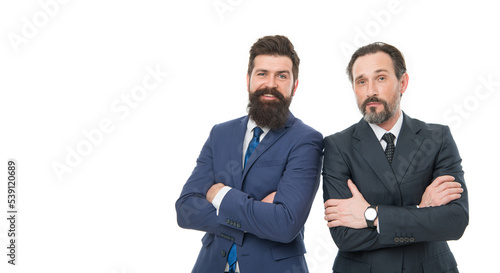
[451,192]
[330,217]
[441,179]
[331,202]
[447,199]
[334,223]
[448,185]
[354,190]
[446,189]
[330,210]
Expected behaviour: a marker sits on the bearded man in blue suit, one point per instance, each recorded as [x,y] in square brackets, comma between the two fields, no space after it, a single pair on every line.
[394,188]
[256,176]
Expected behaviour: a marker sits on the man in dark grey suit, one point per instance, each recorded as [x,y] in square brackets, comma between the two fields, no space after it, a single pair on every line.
[394,188]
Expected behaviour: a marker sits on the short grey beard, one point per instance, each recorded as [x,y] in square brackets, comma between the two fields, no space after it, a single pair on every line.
[377,118]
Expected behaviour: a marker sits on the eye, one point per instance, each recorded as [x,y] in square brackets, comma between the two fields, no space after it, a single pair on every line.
[361,82]
[382,78]
[282,76]
[261,74]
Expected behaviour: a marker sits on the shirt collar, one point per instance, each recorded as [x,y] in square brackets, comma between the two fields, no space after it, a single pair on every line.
[379,131]
[251,124]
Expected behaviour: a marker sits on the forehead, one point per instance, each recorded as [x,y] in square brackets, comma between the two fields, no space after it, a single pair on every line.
[272,63]
[371,63]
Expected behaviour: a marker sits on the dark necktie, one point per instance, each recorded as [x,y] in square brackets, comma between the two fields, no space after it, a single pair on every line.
[389,150]
[232,257]
[253,143]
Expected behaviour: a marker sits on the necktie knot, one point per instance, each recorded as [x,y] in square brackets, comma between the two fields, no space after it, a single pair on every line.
[389,150]
[257,132]
[389,138]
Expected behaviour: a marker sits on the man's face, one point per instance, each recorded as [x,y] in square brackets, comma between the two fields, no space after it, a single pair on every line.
[378,90]
[271,88]
[272,72]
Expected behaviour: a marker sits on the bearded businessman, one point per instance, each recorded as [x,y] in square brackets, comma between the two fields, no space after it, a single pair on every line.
[394,188]
[256,176]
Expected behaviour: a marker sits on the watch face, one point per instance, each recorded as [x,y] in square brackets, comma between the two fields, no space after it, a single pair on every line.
[370,214]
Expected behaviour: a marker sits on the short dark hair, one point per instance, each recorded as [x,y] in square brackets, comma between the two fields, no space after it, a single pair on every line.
[276,45]
[397,57]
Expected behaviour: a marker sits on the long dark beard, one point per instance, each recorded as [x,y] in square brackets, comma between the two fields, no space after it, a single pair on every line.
[372,116]
[270,114]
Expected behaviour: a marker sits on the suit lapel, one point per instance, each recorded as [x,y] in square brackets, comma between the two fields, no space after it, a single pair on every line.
[407,147]
[236,141]
[268,141]
[368,146]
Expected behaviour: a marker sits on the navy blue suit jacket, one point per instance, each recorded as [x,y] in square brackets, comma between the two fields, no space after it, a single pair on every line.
[269,237]
[411,239]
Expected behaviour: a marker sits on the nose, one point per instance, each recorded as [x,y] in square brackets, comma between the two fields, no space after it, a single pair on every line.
[372,90]
[271,82]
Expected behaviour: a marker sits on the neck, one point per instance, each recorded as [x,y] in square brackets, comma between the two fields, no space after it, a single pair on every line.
[388,124]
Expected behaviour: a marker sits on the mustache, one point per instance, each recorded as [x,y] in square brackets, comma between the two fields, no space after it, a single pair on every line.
[271,91]
[372,99]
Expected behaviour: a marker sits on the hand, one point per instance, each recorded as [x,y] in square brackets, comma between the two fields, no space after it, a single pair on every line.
[347,212]
[441,191]
[269,198]
[212,192]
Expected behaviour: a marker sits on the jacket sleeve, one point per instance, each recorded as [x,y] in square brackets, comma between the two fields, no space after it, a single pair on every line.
[336,172]
[441,223]
[284,219]
[193,210]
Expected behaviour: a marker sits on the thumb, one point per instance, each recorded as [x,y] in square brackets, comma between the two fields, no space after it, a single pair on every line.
[354,190]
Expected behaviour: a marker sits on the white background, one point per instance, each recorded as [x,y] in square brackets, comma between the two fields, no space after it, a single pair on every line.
[66,66]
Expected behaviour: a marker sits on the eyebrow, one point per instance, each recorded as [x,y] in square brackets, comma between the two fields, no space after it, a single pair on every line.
[376,71]
[279,72]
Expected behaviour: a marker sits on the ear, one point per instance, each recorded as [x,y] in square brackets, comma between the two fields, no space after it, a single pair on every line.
[404,83]
[295,87]
[248,83]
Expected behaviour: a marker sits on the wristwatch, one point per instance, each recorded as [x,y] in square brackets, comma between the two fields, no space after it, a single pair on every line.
[370,216]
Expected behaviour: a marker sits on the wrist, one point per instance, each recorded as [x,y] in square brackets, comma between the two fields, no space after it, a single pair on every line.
[371,216]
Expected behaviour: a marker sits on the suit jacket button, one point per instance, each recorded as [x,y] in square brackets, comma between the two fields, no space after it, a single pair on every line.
[412,239]
[228,221]
[232,239]
[396,240]
[238,225]
[223,253]
[407,239]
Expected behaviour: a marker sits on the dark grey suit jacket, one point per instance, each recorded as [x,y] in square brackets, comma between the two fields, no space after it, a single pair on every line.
[411,239]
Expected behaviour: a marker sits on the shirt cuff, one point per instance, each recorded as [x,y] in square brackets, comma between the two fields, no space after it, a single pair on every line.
[219,196]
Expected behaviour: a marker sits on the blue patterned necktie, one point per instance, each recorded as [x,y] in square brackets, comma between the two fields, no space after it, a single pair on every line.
[232,257]
[389,150]
[253,143]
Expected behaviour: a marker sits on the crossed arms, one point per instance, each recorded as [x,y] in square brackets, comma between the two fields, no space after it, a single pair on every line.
[442,212]
[279,217]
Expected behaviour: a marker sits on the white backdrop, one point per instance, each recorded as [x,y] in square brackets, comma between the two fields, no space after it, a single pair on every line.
[105,105]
